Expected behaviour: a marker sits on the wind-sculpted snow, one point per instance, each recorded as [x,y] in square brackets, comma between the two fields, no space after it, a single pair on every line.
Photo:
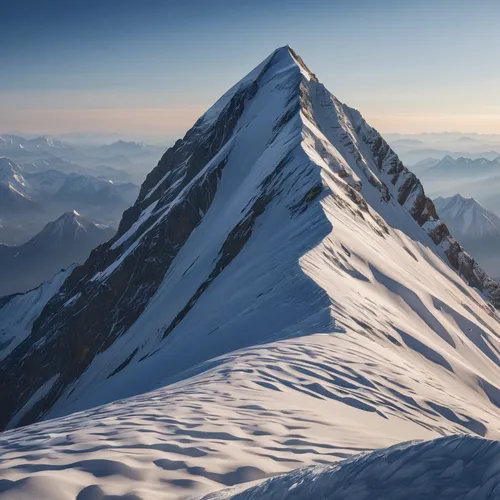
[456,467]
[250,415]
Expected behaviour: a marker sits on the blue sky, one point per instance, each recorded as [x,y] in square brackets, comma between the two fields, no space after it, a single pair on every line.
[150,67]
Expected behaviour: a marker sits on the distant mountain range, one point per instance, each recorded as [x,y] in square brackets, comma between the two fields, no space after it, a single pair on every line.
[477,178]
[42,177]
[62,242]
[413,148]
[458,166]
[129,160]
[477,229]
[28,200]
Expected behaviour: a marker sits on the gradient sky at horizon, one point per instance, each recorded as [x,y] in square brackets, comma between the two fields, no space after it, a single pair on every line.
[150,68]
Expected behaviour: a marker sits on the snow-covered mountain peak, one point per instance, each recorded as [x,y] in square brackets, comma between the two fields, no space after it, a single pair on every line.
[466,217]
[283,60]
[68,239]
[280,215]
[456,200]
[68,223]
[71,216]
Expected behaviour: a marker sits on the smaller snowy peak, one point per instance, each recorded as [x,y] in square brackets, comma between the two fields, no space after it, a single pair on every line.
[68,239]
[466,217]
[456,200]
[71,223]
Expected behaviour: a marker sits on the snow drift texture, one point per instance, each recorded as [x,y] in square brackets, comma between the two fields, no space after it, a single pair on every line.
[286,292]
[447,468]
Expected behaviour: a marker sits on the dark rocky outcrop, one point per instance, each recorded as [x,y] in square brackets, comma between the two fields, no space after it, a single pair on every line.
[412,195]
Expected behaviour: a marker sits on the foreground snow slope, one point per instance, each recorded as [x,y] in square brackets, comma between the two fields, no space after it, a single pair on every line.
[447,468]
[248,415]
[284,288]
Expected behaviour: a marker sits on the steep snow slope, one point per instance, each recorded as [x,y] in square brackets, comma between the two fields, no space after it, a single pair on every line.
[280,264]
[19,311]
[467,217]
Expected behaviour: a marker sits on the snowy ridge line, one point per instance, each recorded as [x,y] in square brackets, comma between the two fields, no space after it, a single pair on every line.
[409,190]
[247,85]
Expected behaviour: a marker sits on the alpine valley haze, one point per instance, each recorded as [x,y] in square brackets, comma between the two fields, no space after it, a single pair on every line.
[282,294]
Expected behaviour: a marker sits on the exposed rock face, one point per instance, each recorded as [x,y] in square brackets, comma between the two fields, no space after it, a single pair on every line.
[412,196]
[303,126]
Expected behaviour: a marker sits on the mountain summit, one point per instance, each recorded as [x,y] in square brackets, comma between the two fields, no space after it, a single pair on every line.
[280,261]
